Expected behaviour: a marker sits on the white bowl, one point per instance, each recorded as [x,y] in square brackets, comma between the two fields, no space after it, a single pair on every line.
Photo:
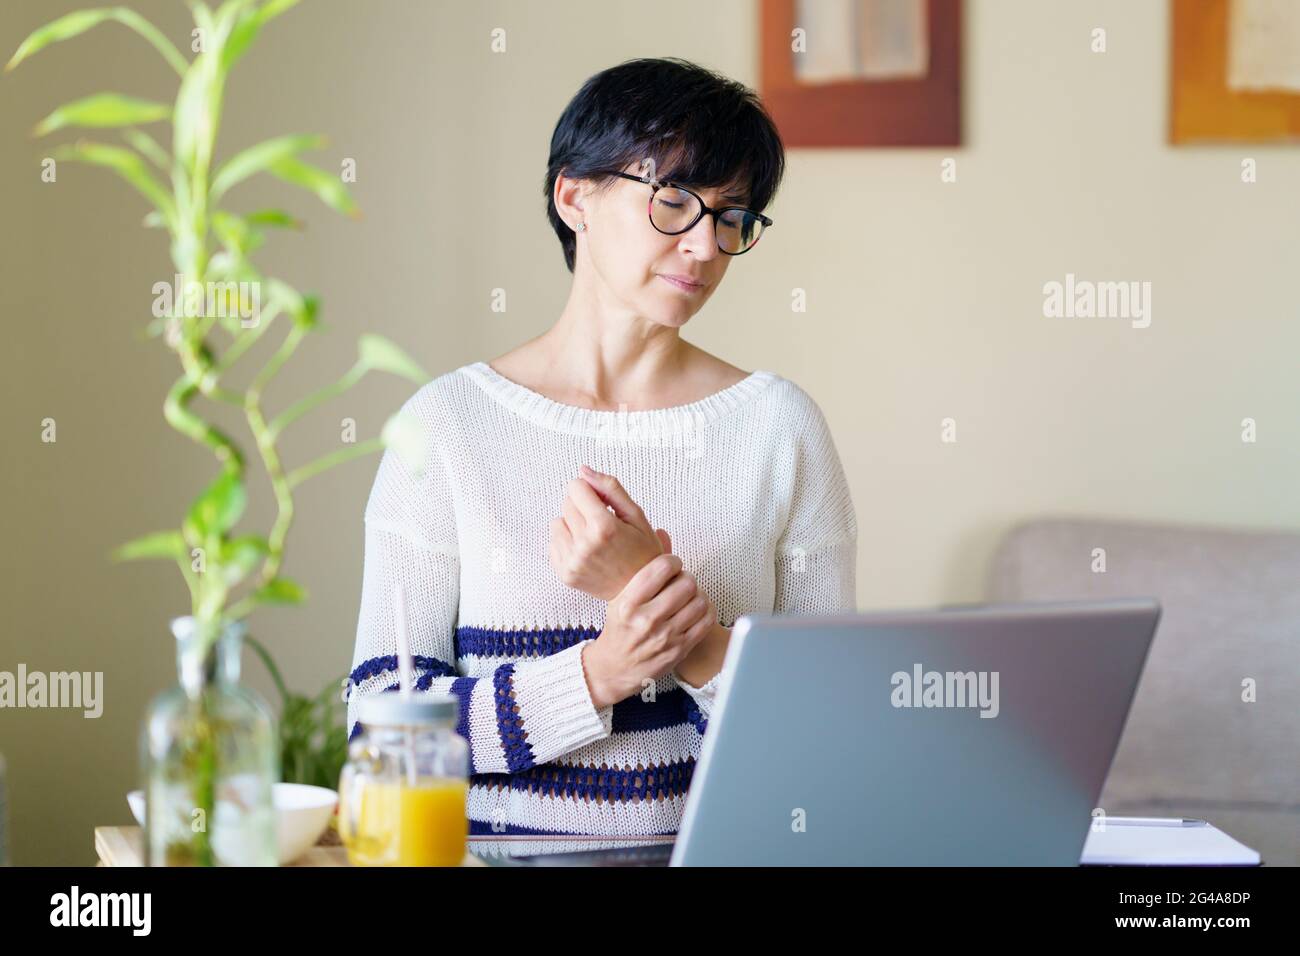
[302,813]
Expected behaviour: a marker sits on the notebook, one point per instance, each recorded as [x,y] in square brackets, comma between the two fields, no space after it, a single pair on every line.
[1163,841]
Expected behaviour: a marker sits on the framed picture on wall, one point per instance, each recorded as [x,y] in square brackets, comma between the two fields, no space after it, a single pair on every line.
[862,72]
[1235,71]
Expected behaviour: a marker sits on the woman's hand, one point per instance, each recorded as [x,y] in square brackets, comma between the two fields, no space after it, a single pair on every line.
[650,626]
[597,551]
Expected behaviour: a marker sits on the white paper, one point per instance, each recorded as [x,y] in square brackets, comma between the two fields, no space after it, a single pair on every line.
[1264,45]
[829,55]
[848,40]
[892,39]
[1205,845]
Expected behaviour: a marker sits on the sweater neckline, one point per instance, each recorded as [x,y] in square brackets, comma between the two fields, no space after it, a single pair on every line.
[558,416]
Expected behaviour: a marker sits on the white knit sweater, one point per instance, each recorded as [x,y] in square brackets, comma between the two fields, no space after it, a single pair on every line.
[748,483]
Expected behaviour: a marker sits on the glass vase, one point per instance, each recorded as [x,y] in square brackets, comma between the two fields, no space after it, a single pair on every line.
[210,758]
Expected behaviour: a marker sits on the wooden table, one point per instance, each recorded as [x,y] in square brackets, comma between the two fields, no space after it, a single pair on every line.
[123,846]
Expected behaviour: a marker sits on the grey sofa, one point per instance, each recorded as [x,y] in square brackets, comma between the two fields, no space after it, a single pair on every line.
[1231,612]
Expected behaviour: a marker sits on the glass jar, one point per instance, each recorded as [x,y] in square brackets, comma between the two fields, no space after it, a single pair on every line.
[210,758]
[402,791]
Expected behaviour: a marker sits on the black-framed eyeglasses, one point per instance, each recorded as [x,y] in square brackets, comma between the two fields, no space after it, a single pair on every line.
[674,209]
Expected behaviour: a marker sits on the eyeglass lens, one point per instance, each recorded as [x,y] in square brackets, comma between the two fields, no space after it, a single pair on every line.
[673,210]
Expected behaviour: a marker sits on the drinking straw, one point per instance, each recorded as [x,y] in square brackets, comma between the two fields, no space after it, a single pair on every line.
[405,676]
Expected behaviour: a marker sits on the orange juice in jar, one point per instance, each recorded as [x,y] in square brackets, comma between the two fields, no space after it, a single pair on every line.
[402,792]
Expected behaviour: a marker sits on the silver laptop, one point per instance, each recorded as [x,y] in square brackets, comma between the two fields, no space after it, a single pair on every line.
[964,736]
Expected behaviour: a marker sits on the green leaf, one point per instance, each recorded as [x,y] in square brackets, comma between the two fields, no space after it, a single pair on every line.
[231,9]
[160,544]
[128,17]
[249,25]
[273,8]
[285,296]
[239,556]
[219,507]
[309,315]
[127,165]
[198,107]
[328,188]
[280,591]
[380,355]
[235,232]
[103,109]
[202,14]
[148,147]
[74,24]
[257,158]
[269,662]
[273,217]
[64,28]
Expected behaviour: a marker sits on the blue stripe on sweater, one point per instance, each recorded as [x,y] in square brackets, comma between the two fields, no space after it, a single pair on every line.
[629,716]
[493,642]
[611,784]
[667,710]
[462,687]
[519,753]
[695,715]
[379,665]
[487,828]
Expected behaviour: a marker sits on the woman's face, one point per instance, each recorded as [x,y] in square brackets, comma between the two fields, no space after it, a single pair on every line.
[634,264]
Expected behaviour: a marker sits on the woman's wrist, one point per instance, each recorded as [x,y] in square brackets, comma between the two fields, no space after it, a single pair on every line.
[705,659]
[592,671]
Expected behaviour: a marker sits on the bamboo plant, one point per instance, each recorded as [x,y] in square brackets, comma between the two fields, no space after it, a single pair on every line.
[211,245]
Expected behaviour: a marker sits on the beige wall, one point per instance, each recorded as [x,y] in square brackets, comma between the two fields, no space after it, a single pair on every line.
[924,302]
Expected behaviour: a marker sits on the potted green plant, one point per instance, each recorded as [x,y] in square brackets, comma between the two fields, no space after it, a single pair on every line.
[209,746]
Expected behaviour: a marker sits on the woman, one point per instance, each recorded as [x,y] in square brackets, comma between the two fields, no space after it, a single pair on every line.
[581,617]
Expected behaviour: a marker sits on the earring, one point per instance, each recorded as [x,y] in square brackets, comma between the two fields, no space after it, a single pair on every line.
[582,227]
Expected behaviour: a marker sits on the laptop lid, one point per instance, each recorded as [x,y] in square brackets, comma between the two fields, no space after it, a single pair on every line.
[970,736]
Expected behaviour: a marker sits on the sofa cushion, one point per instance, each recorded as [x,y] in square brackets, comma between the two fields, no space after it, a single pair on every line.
[1230,614]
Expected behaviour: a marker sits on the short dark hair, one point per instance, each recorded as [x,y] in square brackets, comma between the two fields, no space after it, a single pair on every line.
[698,126]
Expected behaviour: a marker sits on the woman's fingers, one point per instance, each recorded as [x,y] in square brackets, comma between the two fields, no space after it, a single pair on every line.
[573,516]
[700,630]
[612,493]
[561,539]
[587,502]
[688,641]
[690,615]
[675,595]
[650,580]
